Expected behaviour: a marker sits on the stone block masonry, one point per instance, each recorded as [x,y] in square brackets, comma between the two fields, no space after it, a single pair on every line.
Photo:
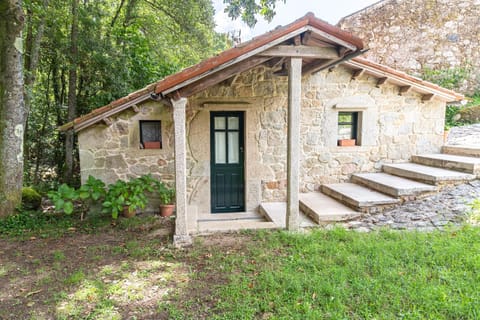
[412,35]
[391,129]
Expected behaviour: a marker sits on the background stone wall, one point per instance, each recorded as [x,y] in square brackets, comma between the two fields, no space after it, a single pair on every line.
[393,128]
[411,35]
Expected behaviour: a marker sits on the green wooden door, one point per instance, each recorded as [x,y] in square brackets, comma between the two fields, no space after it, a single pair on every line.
[227,162]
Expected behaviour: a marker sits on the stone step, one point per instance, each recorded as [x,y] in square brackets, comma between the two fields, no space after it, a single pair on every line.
[321,208]
[449,161]
[392,185]
[462,150]
[426,174]
[276,213]
[357,196]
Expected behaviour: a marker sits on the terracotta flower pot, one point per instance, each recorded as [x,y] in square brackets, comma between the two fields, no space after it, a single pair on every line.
[152,145]
[166,210]
[127,213]
[347,142]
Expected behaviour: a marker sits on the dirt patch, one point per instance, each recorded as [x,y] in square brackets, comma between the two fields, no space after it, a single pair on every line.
[112,274]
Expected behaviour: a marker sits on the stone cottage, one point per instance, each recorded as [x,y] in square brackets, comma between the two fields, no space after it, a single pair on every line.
[413,35]
[265,121]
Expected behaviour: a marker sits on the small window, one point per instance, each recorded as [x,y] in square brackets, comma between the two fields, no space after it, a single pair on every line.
[347,128]
[150,134]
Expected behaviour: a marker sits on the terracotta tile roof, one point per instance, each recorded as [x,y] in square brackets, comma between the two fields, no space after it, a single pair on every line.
[176,79]
[230,55]
[454,96]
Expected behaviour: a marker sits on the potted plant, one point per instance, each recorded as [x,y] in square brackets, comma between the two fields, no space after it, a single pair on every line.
[167,199]
[127,197]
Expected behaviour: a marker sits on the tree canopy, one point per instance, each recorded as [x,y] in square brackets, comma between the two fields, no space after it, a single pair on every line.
[121,46]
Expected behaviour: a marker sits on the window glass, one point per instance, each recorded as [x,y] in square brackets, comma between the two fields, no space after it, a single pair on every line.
[233,141]
[219,123]
[347,125]
[150,134]
[220,150]
[233,123]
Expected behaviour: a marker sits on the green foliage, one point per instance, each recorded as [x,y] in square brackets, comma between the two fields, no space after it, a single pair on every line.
[247,10]
[64,198]
[448,78]
[474,214]
[24,223]
[341,274]
[450,117]
[167,194]
[123,46]
[93,189]
[131,194]
[31,199]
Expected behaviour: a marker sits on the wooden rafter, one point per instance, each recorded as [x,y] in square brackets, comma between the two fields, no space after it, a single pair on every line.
[428,97]
[381,82]
[297,40]
[315,66]
[108,121]
[306,37]
[301,51]
[220,76]
[404,90]
[275,63]
[357,74]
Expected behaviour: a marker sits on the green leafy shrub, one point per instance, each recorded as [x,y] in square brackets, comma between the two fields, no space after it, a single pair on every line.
[31,199]
[64,198]
[167,194]
[131,194]
[448,78]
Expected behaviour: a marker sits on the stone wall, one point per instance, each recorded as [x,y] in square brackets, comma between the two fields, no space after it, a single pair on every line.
[393,127]
[412,35]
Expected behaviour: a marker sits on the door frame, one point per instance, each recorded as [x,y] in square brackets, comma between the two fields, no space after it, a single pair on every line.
[241,115]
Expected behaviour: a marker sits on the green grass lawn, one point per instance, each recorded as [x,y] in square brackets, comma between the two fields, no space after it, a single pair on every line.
[66,269]
[347,275]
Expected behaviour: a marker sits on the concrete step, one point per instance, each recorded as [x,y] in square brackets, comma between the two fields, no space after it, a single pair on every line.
[321,208]
[449,161]
[462,150]
[392,185]
[357,196]
[426,174]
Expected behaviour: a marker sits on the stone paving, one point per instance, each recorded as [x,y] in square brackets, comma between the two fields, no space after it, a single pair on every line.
[448,207]
[464,135]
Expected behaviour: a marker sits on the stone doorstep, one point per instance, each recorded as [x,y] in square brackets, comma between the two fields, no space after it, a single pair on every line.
[427,174]
[226,222]
[462,150]
[392,185]
[357,196]
[448,161]
[323,209]
[207,227]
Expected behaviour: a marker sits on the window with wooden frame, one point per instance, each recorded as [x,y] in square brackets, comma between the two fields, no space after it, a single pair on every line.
[150,134]
[348,129]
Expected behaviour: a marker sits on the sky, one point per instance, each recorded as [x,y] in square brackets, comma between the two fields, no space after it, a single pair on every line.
[329,10]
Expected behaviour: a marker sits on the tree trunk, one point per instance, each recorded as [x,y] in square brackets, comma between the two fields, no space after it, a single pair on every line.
[72,94]
[31,60]
[12,108]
